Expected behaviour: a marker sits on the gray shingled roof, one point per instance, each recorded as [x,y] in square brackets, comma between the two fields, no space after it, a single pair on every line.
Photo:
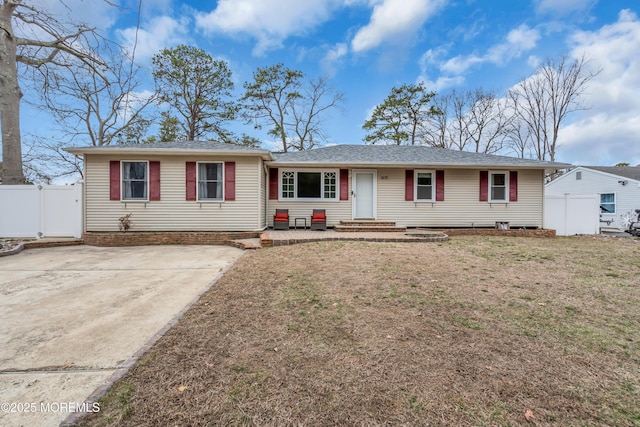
[403,155]
[180,147]
[337,155]
[631,172]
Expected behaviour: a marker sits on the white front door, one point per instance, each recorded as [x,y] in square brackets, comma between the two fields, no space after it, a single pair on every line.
[364,194]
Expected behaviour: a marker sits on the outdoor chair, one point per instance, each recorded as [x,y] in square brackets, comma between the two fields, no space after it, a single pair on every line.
[281,219]
[319,220]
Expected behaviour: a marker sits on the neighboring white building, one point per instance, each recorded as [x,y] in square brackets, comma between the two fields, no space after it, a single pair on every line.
[618,189]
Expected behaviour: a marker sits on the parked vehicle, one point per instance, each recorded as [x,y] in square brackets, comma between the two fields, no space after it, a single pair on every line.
[631,223]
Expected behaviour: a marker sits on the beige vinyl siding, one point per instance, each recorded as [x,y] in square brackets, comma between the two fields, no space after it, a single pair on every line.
[173,212]
[461,206]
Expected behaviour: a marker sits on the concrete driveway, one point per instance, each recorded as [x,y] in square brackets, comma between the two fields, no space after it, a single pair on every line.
[71,316]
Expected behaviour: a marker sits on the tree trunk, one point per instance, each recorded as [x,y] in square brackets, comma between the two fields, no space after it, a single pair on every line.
[10,96]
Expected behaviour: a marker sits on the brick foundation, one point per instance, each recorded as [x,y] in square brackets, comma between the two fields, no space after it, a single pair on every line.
[514,232]
[166,238]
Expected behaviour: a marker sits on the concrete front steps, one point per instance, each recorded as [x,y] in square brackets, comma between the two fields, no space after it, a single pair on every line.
[368,226]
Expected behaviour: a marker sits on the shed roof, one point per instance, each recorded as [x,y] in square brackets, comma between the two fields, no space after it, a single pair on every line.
[404,155]
[630,172]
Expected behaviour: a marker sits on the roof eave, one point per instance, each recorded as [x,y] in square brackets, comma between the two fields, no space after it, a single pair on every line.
[356,165]
[266,155]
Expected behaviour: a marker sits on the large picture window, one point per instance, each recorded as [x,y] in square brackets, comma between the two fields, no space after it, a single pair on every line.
[498,187]
[210,181]
[135,180]
[309,185]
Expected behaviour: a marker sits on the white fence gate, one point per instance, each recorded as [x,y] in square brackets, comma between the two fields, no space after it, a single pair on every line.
[40,210]
[572,214]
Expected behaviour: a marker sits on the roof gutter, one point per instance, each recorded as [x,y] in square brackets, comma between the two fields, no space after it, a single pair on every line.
[415,165]
[266,155]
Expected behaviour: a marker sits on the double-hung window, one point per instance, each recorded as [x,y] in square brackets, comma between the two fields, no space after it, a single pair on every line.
[309,185]
[210,181]
[424,186]
[608,203]
[135,180]
[498,187]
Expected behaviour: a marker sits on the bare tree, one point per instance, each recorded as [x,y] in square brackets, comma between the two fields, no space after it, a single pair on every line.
[460,103]
[294,111]
[308,113]
[268,99]
[49,49]
[99,108]
[543,101]
[487,122]
[45,159]
[436,129]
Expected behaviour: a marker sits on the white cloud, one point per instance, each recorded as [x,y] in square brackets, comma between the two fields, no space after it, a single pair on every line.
[392,20]
[440,83]
[609,129]
[534,61]
[601,140]
[268,21]
[160,32]
[519,41]
[100,15]
[333,56]
[564,7]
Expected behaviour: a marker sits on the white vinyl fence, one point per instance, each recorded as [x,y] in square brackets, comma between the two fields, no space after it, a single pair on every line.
[35,211]
[572,214]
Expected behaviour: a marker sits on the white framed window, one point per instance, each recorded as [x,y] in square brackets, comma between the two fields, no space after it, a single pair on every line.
[424,186]
[498,187]
[330,181]
[309,185]
[288,185]
[210,181]
[608,203]
[135,180]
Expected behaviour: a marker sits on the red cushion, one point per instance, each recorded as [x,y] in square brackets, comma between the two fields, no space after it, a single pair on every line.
[282,217]
[318,217]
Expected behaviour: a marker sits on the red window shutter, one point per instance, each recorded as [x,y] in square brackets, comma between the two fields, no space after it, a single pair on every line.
[408,185]
[191,180]
[439,186]
[114,180]
[229,180]
[273,184]
[513,186]
[154,180]
[484,186]
[344,184]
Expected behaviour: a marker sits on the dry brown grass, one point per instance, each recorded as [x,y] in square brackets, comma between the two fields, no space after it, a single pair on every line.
[475,331]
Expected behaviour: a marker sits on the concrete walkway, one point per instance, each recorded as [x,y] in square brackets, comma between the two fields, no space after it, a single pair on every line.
[75,318]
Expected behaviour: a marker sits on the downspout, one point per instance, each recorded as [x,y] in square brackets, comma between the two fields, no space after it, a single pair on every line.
[265,183]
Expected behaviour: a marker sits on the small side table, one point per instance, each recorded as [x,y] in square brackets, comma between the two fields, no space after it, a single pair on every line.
[295,222]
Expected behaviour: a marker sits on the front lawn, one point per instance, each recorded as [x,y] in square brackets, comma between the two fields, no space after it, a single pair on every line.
[477,331]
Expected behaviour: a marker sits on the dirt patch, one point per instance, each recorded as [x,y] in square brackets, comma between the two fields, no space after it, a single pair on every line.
[474,331]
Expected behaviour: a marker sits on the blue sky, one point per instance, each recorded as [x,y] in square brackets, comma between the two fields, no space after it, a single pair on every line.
[366,47]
